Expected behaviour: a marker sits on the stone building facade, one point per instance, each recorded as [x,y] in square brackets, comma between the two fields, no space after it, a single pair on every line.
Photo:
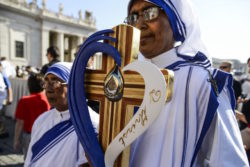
[26,31]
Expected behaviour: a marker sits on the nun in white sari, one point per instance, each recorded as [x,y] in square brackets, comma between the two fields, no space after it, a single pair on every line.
[198,126]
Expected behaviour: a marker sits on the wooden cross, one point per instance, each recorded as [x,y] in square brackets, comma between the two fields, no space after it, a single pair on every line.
[115,115]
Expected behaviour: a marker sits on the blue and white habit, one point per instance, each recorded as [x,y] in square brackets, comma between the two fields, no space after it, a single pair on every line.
[198,126]
[53,138]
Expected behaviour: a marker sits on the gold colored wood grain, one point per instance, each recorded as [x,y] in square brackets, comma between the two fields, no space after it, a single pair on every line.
[106,125]
[133,93]
[95,89]
[96,78]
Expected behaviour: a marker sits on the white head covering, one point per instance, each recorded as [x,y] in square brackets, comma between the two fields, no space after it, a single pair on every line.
[185,28]
[61,70]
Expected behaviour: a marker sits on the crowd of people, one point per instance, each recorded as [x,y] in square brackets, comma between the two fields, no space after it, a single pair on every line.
[27,111]
[198,127]
[242,95]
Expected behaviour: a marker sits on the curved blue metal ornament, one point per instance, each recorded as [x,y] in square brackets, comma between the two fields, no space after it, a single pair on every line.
[76,95]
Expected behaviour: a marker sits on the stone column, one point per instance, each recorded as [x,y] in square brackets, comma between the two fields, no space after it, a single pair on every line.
[4,41]
[44,47]
[73,47]
[79,40]
[60,45]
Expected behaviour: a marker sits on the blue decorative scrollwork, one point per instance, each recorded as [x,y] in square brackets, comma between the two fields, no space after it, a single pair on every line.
[76,94]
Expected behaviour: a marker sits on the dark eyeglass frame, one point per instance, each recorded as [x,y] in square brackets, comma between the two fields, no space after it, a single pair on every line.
[53,84]
[148,14]
[224,67]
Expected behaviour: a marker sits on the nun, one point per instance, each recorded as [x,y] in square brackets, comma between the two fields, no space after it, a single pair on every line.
[53,138]
[198,126]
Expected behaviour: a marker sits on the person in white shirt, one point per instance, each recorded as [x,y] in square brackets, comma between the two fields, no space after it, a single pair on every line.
[53,138]
[8,69]
[6,98]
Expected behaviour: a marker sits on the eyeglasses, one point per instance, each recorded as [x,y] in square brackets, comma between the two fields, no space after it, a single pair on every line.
[148,15]
[53,84]
[224,67]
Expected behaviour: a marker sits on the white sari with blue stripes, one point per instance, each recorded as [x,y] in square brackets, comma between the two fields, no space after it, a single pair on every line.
[195,128]
[54,141]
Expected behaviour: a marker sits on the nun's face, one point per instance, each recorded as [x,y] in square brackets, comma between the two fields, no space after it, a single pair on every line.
[156,35]
[56,92]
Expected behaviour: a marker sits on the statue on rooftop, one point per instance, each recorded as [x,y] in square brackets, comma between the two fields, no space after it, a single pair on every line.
[60,8]
[44,4]
[80,14]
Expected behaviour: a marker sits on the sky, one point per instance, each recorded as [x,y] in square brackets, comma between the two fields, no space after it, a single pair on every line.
[225,24]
